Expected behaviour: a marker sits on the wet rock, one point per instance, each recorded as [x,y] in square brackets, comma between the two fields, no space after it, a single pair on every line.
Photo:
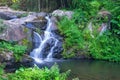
[58,50]
[26,59]
[39,21]
[12,66]
[54,22]
[61,13]
[39,24]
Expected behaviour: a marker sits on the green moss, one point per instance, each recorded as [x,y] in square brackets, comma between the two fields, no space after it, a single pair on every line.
[22,15]
[2,26]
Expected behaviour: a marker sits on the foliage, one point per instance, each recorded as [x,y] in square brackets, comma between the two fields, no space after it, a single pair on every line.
[15,4]
[5,2]
[1,71]
[2,26]
[105,47]
[39,74]
[73,37]
[86,10]
[22,15]
[18,50]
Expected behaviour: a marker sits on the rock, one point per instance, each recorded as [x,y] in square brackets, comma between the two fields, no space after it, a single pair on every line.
[58,50]
[6,56]
[15,29]
[7,13]
[14,32]
[54,22]
[41,14]
[4,16]
[26,59]
[39,21]
[61,13]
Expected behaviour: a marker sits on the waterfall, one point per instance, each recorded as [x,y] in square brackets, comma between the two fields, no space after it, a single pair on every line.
[37,53]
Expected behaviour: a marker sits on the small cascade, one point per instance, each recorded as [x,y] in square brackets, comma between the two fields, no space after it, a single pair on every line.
[38,54]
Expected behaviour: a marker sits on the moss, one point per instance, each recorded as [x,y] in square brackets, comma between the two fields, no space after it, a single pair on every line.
[22,15]
[2,26]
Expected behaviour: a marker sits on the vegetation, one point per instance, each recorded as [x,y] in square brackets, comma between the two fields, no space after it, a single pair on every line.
[37,74]
[73,38]
[2,26]
[77,35]
[18,50]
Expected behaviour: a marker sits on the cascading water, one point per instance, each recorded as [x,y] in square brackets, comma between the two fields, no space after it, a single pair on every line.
[37,53]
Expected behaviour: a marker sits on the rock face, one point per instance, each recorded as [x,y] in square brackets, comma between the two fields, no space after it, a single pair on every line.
[61,13]
[14,32]
[39,21]
[16,27]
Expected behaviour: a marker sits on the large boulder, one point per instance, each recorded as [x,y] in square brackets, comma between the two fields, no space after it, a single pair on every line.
[7,13]
[13,32]
[38,22]
[61,13]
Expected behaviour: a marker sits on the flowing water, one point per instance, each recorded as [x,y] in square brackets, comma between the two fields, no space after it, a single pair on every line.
[37,53]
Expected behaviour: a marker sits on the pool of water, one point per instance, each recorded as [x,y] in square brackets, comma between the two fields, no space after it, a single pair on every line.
[91,70]
[84,69]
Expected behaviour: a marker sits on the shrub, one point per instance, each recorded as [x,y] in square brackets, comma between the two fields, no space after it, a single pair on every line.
[18,50]
[39,74]
[105,47]
[73,40]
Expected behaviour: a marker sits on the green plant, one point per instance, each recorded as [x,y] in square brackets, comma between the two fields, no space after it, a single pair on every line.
[22,15]
[18,50]
[15,4]
[2,71]
[39,74]
[2,26]
[73,40]
[75,32]
[105,47]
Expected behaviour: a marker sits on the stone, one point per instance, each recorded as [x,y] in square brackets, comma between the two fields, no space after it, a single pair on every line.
[26,59]
[7,13]
[6,56]
[61,13]
[15,29]
[14,32]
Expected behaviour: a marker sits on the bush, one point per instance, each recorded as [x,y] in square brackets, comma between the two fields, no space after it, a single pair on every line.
[18,50]
[73,40]
[38,74]
[105,47]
